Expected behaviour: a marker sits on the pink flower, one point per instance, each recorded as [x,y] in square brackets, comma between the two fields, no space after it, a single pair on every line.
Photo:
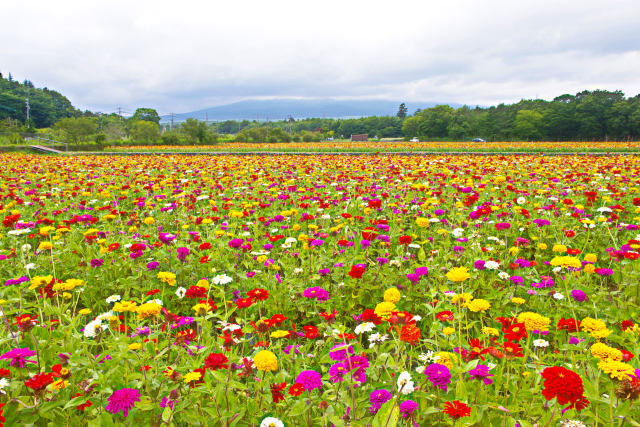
[122,400]
[18,356]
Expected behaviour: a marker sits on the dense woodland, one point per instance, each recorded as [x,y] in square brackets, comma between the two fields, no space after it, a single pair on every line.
[588,115]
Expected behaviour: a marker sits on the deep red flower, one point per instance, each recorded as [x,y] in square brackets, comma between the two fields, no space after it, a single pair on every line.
[329,317]
[276,392]
[39,382]
[215,361]
[244,302]
[195,292]
[456,409]
[310,332]
[571,325]
[369,315]
[563,384]
[5,373]
[356,271]
[404,240]
[626,324]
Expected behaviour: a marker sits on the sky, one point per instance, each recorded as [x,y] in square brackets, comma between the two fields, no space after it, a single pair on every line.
[188,55]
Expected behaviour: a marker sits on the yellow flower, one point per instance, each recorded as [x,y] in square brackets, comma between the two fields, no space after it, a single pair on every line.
[38,281]
[279,334]
[124,306]
[384,309]
[603,351]
[422,222]
[45,246]
[201,309]
[559,248]
[192,376]
[458,274]
[45,231]
[566,261]
[594,327]
[266,361]
[203,283]
[135,346]
[478,305]
[148,309]
[534,321]
[517,300]
[591,258]
[490,331]
[84,312]
[617,370]
[59,384]
[464,298]
[513,250]
[392,295]
[448,330]
[589,268]
[167,277]
[542,246]
[447,359]
[149,220]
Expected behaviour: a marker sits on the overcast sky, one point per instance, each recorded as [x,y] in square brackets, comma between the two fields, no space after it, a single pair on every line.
[185,55]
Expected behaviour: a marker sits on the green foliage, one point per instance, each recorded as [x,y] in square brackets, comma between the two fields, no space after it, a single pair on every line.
[402,111]
[198,131]
[146,114]
[143,130]
[77,129]
[47,106]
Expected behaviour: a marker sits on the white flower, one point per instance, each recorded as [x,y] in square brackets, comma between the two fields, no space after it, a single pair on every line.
[413,245]
[572,423]
[3,383]
[180,292]
[222,279]
[377,338]
[503,275]
[557,269]
[364,327]
[434,219]
[426,357]
[113,298]
[271,422]
[202,197]
[90,329]
[26,247]
[540,343]
[604,209]
[417,318]
[290,240]
[297,270]
[521,200]
[491,265]
[30,266]
[420,369]
[558,296]
[457,232]
[405,385]
[394,262]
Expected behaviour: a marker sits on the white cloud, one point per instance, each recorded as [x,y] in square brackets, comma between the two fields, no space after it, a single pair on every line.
[180,56]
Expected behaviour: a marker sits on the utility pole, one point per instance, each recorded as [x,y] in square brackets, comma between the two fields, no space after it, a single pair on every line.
[171,126]
[28,108]
[206,115]
[120,112]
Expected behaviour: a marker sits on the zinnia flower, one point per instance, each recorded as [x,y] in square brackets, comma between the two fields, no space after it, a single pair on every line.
[122,400]
[309,379]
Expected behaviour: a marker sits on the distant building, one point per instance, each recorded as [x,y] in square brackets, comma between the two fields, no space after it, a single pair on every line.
[360,137]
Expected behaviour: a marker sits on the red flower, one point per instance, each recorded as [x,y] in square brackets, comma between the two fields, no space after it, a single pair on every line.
[204,259]
[571,325]
[445,316]
[626,355]
[456,409]
[626,324]
[215,361]
[153,292]
[258,294]
[244,302]
[512,349]
[5,373]
[410,333]
[205,246]
[369,315]
[563,384]
[195,292]
[516,332]
[310,332]
[404,240]
[39,382]
[276,392]
[356,271]
[329,317]
[296,389]
[275,320]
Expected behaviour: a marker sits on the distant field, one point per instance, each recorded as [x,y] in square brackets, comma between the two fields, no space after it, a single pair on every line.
[521,146]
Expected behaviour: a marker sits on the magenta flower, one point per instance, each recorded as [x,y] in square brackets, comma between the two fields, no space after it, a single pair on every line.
[481,372]
[235,243]
[438,375]
[122,400]
[166,238]
[182,253]
[309,379]
[503,226]
[316,292]
[407,408]
[18,356]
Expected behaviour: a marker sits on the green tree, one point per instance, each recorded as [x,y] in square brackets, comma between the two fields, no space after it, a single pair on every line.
[147,115]
[143,130]
[528,125]
[76,129]
[402,111]
[198,131]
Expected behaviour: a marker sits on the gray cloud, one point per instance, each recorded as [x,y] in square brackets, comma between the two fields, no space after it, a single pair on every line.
[194,54]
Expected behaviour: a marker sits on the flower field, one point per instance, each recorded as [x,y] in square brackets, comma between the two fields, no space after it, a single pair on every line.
[320,290]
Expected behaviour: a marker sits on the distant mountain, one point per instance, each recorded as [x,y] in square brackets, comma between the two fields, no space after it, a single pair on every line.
[279,109]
